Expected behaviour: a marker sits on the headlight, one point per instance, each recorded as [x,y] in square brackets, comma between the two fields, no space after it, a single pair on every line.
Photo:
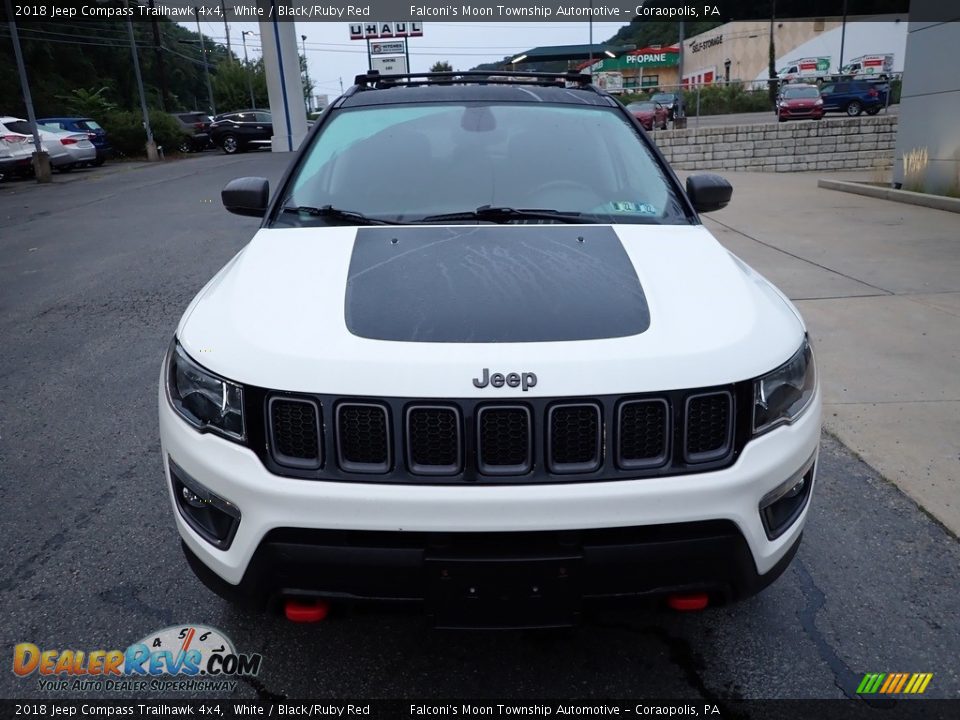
[780,396]
[204,400]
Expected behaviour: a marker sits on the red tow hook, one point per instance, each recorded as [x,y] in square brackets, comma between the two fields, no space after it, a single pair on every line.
[688,603]
[305,611]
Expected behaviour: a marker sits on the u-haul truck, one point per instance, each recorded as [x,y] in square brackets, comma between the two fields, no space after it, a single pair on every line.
[805,69]
[878,67]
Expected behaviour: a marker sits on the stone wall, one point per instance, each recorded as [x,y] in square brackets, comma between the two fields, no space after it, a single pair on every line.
[836,144]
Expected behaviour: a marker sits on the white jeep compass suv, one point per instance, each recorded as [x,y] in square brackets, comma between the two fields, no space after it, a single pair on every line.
[483,356]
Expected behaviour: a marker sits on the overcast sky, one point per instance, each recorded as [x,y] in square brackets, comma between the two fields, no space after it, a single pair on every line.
[332,55]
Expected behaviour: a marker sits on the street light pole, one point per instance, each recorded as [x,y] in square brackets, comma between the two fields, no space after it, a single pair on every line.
[306,73]
[41,160]
[206,69]
[590,20]
[151,145]
[246,65]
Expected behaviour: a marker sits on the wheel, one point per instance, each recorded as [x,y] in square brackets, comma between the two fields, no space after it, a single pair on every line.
[66,168]
[854,108]
[229,144]
[98,162]
[781,118]
[664,126]
[185,147]
[873,110]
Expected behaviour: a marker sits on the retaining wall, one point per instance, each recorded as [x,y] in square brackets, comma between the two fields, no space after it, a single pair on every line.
[835,144]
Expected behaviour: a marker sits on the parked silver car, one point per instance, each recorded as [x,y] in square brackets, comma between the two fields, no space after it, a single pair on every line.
[77,144]
[60,157]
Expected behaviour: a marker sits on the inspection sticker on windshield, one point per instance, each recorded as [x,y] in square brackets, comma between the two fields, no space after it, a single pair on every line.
[632,207]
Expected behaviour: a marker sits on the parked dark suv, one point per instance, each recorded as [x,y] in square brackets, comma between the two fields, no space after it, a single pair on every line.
[195,126]
[239,131]
[854,97]
[97,135]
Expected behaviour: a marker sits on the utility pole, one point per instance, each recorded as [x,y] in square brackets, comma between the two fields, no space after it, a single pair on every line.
[158,58]
[843,37]
[246,63]
[679,114]
[306,73]
[590,66]
[341,85]
[151,145]
[226,29]
[206,68]
[41,160]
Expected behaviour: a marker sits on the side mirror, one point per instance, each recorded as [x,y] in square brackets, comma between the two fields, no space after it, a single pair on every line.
[246,196]
[708,192]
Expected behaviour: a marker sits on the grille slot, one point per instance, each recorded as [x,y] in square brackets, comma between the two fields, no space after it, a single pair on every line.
[708,433]
[363,438]
[295,432]
[573,443]
[434,440]
[504,440]
[643,439]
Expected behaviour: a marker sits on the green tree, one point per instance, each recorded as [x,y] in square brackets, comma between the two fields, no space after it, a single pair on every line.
[232,84]
[441,66]
[87,103]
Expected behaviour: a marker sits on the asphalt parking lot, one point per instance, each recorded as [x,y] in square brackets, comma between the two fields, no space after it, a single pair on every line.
[94,274]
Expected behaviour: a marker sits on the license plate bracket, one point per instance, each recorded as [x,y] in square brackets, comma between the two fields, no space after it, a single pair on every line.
[503,593]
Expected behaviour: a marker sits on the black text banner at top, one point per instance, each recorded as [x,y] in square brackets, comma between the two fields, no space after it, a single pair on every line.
[372,11]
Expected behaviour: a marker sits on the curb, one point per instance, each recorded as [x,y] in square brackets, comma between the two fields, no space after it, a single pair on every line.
[936,202]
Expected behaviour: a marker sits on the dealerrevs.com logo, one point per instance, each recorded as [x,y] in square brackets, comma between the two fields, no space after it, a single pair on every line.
[180,657]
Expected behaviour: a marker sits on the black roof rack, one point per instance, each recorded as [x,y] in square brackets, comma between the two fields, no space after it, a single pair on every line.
[372,79]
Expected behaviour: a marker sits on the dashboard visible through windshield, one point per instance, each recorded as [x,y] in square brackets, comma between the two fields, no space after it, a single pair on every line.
[481,162]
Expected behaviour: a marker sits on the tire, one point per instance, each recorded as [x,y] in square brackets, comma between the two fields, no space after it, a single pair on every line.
[66,168]
[185,147]
[854,108]
[873,110]
[98,162]
[229,144]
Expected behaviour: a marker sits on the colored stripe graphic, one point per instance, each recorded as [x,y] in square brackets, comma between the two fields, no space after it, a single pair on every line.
[894,683]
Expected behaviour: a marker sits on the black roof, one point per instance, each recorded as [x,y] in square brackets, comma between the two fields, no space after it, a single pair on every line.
[514,93]
[517,87]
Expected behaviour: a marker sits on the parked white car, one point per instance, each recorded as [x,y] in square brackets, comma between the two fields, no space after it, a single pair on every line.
[16,151]
[482,355]
[60,156]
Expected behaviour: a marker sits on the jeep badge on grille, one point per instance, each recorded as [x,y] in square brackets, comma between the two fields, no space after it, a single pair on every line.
[524,380]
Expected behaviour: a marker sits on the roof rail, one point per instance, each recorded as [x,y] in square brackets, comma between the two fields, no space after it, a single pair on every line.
[372,79]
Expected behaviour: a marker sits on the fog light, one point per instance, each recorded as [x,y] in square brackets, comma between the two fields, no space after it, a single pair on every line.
[781,508]
[209,515]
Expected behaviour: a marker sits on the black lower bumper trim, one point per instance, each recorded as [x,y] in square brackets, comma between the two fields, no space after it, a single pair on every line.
[526,579]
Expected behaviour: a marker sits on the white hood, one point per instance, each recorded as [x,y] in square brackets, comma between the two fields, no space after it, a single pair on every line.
[274,317]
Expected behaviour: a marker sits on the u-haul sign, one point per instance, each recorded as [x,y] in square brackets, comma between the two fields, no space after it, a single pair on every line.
[385,30]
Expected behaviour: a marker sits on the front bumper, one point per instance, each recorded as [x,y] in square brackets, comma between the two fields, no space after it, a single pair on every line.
[696,532]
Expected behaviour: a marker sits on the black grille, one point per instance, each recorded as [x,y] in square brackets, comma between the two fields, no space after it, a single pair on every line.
[643,433]
[504,440]
[363,437]
[295,432]
[434,445]
[574,443]
[709,426]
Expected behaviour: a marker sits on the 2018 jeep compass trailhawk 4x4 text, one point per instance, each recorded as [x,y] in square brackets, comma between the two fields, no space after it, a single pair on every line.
[482,355]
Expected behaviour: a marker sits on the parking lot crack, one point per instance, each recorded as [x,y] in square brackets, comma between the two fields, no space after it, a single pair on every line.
[843,677]
[683,656]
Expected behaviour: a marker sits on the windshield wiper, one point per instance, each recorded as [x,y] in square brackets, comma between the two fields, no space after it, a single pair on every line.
[328,211]
[505,214]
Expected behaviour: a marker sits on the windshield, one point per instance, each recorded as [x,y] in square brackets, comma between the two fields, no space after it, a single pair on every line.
[641,107]
[662,97]
[805,92]
[403,163]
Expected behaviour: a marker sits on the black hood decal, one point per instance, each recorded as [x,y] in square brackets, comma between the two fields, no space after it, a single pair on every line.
[496,283]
